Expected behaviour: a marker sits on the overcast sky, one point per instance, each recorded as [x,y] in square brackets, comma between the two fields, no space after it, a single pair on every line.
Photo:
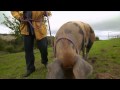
[101,21]
[91,17]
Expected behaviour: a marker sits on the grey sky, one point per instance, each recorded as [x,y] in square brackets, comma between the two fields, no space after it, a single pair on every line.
[91,17]
[106,21]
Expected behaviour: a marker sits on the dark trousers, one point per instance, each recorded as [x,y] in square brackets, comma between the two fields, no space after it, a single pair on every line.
[29,54]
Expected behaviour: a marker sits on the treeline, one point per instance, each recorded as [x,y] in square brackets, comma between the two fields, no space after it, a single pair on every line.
[17,45]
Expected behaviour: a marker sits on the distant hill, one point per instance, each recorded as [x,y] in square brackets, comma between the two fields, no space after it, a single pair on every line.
[7,37]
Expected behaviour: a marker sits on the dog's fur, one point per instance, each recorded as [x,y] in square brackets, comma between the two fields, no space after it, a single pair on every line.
[70,40]
[89,38]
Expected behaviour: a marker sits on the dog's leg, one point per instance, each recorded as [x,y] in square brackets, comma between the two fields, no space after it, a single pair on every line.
[55,71]
[84,46]
[90,43]
[82,69]
[83,52]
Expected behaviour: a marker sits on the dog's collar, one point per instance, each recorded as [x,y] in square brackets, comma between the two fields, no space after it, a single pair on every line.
[67,38]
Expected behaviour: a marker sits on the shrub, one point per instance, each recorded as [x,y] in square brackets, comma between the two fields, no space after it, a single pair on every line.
[50,40]
[97,38]
[10,48]
[2,44]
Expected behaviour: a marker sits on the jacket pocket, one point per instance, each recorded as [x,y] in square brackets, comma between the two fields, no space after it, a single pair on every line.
[41,27]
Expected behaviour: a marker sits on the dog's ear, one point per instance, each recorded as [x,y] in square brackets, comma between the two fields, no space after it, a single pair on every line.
[81,69]
[87,68]
[54,70]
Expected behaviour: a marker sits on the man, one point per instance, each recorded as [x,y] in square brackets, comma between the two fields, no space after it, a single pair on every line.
[32,26]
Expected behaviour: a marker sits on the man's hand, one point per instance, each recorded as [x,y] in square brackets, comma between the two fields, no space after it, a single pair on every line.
[47,13]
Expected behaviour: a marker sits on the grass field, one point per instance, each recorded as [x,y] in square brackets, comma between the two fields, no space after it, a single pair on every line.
[104,57]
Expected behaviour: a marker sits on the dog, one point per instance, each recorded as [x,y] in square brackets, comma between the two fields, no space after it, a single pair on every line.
[72,38]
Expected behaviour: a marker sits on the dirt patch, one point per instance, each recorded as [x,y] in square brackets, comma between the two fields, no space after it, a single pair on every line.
[103,50]
[105,76]
[113,57]
[115,46]
[93,59]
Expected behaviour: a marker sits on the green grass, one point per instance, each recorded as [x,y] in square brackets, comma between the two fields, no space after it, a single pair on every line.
[104,56]
[12,66]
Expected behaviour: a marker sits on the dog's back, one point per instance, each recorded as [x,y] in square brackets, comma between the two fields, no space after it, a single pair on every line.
[89,37]
[88,31]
